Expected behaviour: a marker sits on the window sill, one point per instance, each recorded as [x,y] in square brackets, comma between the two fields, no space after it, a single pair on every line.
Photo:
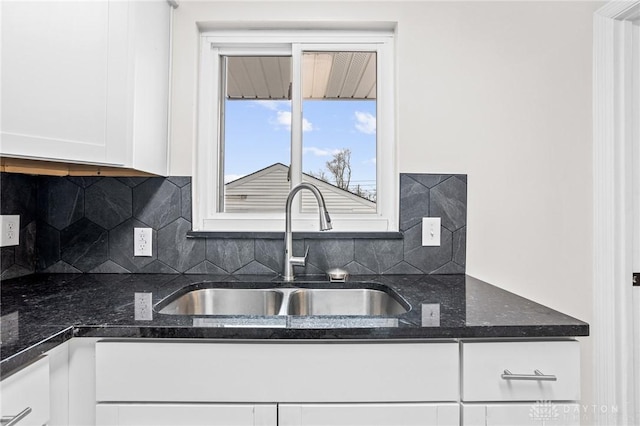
[298,235]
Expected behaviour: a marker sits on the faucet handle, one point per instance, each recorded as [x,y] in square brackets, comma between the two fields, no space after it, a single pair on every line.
[299,260]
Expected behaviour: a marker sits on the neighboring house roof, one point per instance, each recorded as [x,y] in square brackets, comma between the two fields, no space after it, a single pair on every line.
[267,190]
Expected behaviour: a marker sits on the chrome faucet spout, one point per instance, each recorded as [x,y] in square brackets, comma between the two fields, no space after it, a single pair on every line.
[325,224]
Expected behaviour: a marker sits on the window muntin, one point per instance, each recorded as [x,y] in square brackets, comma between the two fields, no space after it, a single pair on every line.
[209,165]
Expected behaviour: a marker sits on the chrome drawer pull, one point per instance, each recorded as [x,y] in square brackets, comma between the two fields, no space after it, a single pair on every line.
[508,375]
[13,420]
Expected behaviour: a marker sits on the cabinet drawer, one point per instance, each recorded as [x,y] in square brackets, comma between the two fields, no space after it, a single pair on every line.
[28,388]
[506,371]
[186,414]
[283,372]
[533,414]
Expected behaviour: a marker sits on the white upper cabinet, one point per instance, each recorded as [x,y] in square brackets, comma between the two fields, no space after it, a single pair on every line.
[86,82]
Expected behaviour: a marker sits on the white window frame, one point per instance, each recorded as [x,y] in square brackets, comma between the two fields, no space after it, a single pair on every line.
[215,44]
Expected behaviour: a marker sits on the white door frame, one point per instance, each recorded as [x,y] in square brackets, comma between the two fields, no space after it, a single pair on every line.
[615,121]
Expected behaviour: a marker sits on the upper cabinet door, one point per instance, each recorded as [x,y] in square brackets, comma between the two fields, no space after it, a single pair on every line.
[77,78]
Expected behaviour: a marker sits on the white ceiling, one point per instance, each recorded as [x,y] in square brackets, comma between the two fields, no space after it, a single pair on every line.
[325,75]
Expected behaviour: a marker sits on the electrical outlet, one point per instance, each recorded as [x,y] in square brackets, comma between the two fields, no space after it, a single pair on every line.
[143,309]
[431,231]
[142,242]
[9,230]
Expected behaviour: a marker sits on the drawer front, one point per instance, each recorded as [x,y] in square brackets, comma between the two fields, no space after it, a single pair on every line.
[506,371]
[283,372]
[533,414]
[28,388]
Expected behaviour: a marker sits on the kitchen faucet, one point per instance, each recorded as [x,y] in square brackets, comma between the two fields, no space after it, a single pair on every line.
[325,224]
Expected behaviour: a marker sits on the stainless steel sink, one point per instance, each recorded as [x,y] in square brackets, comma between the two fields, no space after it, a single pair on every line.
[225,301]
[343,302]
[282,301]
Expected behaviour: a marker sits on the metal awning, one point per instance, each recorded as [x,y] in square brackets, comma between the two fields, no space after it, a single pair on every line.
[325,75]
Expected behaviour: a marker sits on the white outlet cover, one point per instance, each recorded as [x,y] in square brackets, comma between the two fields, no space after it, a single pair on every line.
[431,231]
[9,230]
[143,306]
[142,242]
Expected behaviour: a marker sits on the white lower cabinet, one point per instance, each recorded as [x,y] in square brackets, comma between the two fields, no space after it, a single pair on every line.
[187,414]
[522,414]
[287,383]
[25,395]
[368,414]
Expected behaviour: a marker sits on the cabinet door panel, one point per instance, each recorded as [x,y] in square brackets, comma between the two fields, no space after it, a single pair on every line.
[535,413]
[368,414]
[260,372]
[28,388]
[61,62]
[186,414]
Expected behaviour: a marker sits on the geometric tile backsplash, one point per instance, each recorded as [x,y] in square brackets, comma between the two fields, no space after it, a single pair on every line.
[85,224]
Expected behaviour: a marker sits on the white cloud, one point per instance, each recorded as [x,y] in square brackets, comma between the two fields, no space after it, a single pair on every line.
[365,123]
[271,105]
[231,177]
[284,119]
[319,152]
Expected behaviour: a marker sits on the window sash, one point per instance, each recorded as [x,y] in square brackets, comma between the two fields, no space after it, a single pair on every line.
[208,158]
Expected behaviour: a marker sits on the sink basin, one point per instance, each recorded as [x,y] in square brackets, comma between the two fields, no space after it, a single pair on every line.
[224,301]
[303,300]
[343,302]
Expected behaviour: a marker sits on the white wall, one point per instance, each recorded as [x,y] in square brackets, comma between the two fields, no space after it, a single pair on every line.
[500,91]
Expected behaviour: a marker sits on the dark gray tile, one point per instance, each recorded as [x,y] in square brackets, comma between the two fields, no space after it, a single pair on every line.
[449,268]
[460,246]
[84,245]
[185,193]
[449,202]
[84,181]
[109,267]
[26,251]
[463,178]
[355,268]
[62,267]
[327,254]
[18,196]
[206,267]
[7,258]
[178,251]
[402,268]
[255,268]
[156,202]
[414,202]
[60,202]
[132,182]
[230,254]
[47,245]
[108,203]
[271,253]
[427,259]
[180,180]
[121,246]
[378,255]
[427,179]
[15,271]
[308,270]
[157,267]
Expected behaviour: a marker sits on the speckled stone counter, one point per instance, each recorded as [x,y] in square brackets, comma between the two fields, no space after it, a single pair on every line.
[42,311]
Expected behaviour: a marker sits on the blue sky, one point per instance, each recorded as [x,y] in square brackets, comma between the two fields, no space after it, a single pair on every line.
[258,133]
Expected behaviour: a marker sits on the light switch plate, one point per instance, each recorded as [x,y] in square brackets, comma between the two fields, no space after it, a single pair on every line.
[431,231]
[142,242]
[9,230]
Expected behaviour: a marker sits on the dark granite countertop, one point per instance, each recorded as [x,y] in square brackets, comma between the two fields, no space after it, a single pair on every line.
[42,311]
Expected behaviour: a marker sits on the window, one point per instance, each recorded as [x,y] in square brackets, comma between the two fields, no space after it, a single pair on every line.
[280,108]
